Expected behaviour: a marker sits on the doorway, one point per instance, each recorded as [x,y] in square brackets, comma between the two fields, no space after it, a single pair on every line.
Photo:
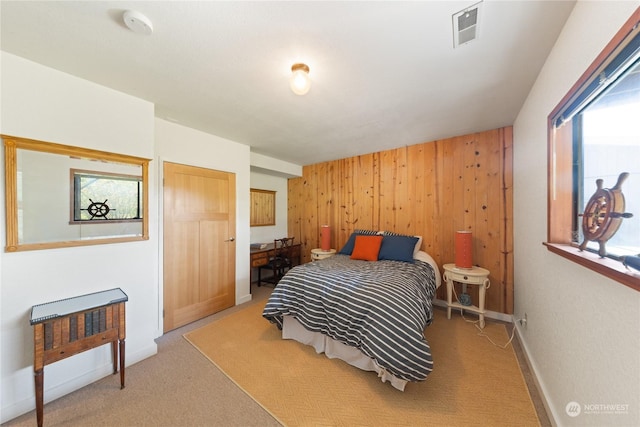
[199,243]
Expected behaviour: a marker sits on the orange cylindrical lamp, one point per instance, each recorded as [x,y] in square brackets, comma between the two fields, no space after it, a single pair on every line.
[325,237]
[463,249]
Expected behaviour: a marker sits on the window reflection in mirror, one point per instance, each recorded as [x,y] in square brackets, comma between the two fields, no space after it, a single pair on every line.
[103,197]
[44,195]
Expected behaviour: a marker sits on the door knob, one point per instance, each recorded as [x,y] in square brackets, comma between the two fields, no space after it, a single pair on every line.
[231,239]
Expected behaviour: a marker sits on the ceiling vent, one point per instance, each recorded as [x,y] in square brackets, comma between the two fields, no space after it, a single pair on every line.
[465,25]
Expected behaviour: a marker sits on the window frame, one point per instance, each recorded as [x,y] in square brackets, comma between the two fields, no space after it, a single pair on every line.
[76,194]
[560,175]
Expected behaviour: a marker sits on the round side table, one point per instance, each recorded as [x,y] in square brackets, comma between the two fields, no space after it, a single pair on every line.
[317,254]
[467,276]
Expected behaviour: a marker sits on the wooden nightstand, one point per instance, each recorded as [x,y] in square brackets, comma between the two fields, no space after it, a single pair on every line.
[318,253]
[467,276]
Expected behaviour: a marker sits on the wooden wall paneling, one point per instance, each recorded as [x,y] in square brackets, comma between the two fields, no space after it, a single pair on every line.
[311,221]
[366,193]
[460,192]
[348,215]
[333,200]
[444,222]
[375,202]
[467,150]
[344,219]
[475,196]
[297,210]
[294,208]
[506,250]
[336,202]
[445,191]
[324,180]
[430,204]
[431,189]
[488,213]
[389,184]
[417,190]
[403,198]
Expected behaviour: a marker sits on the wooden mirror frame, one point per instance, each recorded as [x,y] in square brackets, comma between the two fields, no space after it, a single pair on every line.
[11,146]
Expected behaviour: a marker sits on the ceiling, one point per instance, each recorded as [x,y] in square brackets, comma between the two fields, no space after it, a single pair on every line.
[384,74]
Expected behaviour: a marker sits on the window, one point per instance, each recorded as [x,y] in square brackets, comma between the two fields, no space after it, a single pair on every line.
[101,196]
[594,135]
[606,144]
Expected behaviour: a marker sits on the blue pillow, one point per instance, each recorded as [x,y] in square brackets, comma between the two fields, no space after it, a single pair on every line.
[347,249]
[397,248]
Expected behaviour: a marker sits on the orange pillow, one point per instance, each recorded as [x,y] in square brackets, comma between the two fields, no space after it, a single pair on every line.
[366,247]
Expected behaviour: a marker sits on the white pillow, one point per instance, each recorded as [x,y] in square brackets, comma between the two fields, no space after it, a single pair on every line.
[418,246]
[423,256]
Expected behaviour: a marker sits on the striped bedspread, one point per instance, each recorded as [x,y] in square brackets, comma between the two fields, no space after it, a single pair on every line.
[379,307]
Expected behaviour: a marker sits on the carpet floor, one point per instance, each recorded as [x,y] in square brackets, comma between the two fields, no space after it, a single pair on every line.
[474,382]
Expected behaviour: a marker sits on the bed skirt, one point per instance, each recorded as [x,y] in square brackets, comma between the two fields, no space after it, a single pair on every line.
[292,329]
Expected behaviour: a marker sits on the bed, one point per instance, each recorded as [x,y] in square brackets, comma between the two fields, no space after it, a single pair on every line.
[370,312]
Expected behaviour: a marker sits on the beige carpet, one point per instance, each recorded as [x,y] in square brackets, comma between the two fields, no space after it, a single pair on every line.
[473,383]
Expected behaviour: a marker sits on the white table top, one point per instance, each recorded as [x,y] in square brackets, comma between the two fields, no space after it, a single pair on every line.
[53,309]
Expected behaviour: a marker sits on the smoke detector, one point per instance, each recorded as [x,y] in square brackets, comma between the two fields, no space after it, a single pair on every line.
[137,22]
[465,25]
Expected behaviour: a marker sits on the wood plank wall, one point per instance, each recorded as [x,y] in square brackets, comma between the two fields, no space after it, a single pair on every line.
[430,189]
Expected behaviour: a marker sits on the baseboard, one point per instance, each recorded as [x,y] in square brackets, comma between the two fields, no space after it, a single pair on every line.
[243,299]
[488,313]
[553,417]
[23,406]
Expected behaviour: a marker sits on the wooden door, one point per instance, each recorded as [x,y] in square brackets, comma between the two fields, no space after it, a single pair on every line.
[199,243]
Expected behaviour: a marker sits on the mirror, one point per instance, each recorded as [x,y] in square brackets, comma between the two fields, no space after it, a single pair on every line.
[263,207]
[60,196]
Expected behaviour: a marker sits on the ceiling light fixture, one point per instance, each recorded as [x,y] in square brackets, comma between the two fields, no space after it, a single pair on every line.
[137,22]
[300,82]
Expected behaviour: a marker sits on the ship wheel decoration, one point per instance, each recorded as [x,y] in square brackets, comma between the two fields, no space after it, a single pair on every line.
[98,210]
[603,214]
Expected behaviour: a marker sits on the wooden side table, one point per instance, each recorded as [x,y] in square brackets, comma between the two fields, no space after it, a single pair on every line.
[317,254]
[70,326]
[467,276]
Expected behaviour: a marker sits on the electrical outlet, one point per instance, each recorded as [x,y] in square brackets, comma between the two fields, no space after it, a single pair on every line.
[523,321]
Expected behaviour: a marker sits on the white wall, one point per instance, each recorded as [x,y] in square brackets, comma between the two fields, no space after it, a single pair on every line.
[179,144]
[44,104]
[268,173]
[582,334]
[276,167]
[41,103]
[266,234]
